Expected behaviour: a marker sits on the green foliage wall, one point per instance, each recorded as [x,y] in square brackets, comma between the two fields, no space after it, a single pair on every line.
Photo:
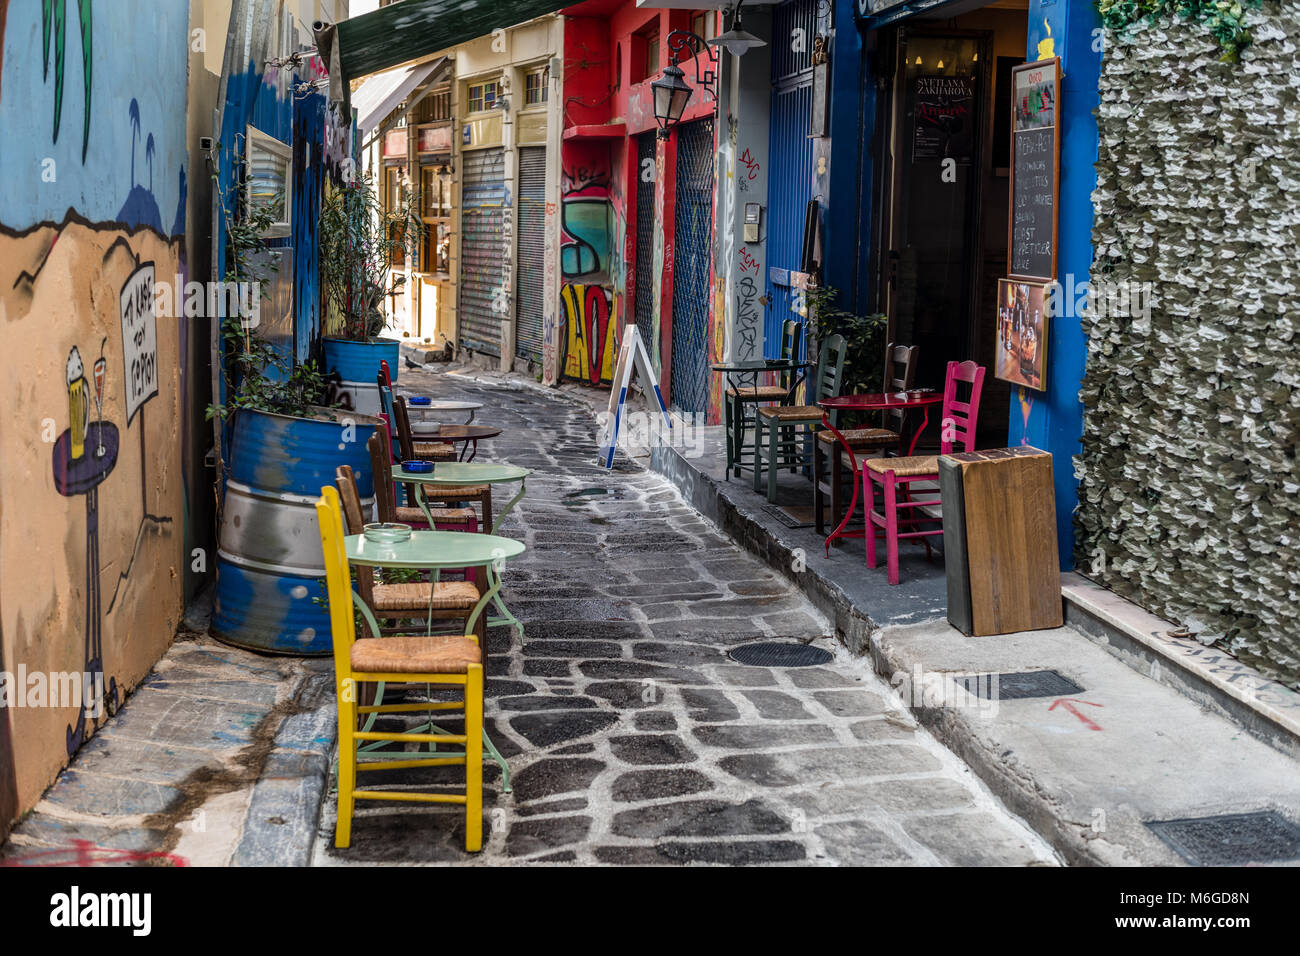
[1190,494]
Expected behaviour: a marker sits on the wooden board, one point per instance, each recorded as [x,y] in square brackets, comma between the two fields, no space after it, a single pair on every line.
[1010,541]
[956,564]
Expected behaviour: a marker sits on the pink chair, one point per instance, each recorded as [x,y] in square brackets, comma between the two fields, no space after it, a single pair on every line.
[896,476]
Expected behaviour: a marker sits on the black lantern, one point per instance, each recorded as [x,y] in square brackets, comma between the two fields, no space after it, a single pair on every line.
[671,94]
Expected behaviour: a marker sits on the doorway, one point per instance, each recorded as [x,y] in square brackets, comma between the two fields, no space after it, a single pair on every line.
[940,229]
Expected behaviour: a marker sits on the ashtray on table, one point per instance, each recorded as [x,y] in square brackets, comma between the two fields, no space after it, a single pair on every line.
[419,400]
[387,532]
[418,467]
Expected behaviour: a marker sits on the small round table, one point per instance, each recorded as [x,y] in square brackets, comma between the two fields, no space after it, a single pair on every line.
[453,473]
[434,551]
[872,402]
[446,406]
[747,372]
[468,436]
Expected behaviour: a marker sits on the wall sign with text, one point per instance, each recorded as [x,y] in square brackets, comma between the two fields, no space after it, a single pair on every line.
[1035,169]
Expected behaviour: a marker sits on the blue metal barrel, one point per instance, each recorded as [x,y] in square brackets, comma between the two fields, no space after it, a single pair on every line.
[270,568]
[357,365]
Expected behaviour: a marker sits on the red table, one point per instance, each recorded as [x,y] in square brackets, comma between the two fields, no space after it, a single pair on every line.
[871,402]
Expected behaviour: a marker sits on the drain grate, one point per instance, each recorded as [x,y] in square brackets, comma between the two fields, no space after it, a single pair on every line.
[779,655]
[1019,686]
[1232,839]
[791,517]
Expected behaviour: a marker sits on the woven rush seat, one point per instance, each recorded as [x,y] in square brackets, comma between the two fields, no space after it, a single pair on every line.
[453,492]
[905,467]
[435,450]
[758,393]
[860,436]
[415,596]
[414,655]
[409,515]
[792,413]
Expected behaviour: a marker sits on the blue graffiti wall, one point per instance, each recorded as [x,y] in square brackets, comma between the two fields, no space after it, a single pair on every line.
[87,125]
[1053,419]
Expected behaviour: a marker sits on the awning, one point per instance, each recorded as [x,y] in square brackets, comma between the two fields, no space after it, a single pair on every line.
[873,14]
[382,93]
[412,29]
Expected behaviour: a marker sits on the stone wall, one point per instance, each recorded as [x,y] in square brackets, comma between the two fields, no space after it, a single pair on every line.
[1188,503]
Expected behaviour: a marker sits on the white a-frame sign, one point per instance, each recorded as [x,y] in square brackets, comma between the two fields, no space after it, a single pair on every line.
[632,355]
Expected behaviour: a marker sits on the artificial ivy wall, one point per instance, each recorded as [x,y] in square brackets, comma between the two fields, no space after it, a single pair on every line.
[1190,494]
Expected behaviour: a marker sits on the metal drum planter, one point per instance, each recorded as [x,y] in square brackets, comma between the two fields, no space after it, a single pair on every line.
[357,366]
[270,567]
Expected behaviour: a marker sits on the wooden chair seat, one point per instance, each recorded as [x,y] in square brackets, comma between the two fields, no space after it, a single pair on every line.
[860,437]
[406,514]
[912,467]
[418,596]
[435,450]
[792,413]
[758,393]
[414,655]
[453,492]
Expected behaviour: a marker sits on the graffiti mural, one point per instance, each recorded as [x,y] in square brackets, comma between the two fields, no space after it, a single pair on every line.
[586,221]
[87,362]
[589,333]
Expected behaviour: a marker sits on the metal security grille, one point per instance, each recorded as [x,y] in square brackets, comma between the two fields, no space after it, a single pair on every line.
[1020,685]
[483,191]
[529,303]
[692,266]
[645,229]
[790,162]
[1233,839]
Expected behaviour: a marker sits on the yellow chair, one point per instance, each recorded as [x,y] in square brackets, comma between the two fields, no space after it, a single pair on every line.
[429,660]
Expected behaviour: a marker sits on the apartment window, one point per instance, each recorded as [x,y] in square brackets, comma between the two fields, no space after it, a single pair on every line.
[483,96]
[535,88]
[269,179]
[652,64]
[704,24]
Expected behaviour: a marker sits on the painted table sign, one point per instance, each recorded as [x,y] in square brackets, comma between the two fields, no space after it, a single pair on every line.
[1035,167]
[139,339]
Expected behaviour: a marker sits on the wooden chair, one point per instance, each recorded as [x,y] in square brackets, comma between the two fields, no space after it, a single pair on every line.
[445,518]
[828,477]
[425,600]
[449,661]
[778,442]
[956,429]
[737,421]
[423,450]
[444,494]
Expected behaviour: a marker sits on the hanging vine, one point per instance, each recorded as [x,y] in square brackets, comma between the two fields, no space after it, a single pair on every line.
[1224,18]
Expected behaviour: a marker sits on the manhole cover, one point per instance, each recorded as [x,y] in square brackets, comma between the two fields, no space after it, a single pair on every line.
[779,655]
[1232,839]
[1019,686]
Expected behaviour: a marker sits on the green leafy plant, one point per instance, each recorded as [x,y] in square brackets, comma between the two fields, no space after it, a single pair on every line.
[358,240]
[1225,18]
[257,375]
[864,337]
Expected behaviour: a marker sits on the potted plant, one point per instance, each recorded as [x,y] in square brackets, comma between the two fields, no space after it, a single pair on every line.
[280,444]
[359,239]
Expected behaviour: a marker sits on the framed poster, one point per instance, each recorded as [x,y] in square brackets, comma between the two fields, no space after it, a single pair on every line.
[1035,170]
[944,124]
[1021,353]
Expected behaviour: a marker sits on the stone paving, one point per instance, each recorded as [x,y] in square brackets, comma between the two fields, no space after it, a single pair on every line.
[632,737]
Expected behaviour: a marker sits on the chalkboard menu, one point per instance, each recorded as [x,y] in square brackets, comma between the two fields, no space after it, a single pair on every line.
[1035,169]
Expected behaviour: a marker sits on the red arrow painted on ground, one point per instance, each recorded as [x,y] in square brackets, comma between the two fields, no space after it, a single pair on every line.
[1069,702]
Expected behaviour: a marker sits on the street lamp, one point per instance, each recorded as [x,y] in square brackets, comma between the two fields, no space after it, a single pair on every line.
[671,91]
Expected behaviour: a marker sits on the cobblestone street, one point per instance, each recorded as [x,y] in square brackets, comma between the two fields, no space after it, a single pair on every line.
[633,738]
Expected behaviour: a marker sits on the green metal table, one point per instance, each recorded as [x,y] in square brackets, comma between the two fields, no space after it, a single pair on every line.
[450,473]
[436,551]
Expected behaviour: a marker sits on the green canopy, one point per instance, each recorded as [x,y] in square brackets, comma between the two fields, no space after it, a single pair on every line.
[412,29]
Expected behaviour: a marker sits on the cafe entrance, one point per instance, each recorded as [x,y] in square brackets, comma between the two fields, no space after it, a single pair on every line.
[942,186]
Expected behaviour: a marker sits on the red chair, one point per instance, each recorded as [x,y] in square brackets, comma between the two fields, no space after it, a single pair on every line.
[896,476]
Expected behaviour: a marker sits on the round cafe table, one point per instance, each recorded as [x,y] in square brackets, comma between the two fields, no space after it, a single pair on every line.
[872,402]
[453,473]
[440,407]
[467,436]
[435,551]
[742,375]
